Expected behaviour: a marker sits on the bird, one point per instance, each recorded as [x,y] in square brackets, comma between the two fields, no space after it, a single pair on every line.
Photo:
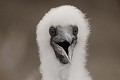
[62,38]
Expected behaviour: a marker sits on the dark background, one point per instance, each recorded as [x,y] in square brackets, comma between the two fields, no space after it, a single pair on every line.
[18,49]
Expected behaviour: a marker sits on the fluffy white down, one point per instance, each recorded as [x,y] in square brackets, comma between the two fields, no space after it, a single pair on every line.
[51,68]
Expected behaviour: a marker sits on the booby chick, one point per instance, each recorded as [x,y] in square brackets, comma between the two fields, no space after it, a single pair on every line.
[62,36]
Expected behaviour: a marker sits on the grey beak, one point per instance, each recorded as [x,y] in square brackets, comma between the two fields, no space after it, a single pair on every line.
[65,42]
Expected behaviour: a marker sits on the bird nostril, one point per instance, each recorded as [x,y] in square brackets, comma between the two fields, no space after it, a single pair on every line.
[64,45]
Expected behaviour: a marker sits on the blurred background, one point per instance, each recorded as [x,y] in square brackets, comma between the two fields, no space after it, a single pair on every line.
[18,49]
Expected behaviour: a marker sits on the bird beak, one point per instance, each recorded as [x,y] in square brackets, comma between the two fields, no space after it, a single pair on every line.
[63,47]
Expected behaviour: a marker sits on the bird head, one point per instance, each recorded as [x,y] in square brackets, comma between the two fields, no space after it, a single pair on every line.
[62,33]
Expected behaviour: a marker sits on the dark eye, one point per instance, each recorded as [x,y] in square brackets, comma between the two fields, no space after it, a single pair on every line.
[75,30]
[52,31]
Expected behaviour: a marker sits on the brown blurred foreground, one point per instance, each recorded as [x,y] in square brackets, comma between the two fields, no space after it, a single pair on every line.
[18,49]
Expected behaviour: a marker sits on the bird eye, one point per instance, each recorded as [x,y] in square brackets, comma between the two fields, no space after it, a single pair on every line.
[75,30]
[52,31]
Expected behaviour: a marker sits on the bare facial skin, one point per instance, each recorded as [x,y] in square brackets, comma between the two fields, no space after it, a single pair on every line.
[63,40]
